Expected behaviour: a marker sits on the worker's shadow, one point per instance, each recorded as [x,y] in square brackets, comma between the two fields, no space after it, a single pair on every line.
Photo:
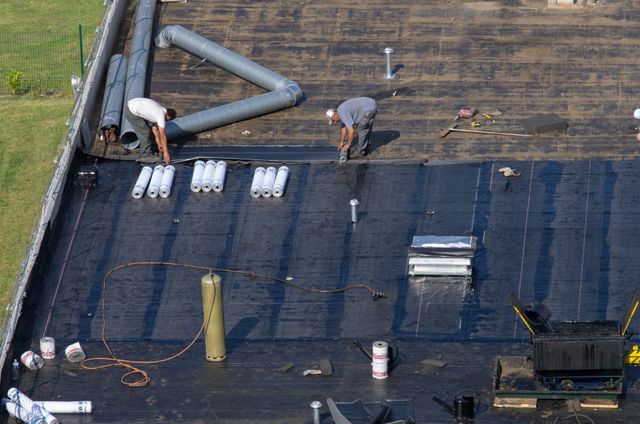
[380,138]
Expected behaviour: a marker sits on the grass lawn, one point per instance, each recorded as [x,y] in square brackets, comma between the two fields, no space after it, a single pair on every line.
[32,131]
[33,128]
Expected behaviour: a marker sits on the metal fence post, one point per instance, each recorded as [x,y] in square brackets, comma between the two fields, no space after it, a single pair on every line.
[81,50]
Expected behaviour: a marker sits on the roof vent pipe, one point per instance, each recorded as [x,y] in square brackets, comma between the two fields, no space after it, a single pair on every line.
[283,92]
[137,67]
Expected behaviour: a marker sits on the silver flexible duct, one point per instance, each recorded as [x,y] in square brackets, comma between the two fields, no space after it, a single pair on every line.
[283,92]
[113,92]
[137,68]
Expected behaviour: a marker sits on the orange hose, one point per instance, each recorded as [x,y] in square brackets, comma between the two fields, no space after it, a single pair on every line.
[129,364]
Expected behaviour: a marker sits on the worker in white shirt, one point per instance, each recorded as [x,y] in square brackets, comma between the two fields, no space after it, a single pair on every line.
[147,115]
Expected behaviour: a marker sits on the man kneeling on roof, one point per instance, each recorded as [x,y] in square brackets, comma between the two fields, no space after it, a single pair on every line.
[146,115]
[355,114]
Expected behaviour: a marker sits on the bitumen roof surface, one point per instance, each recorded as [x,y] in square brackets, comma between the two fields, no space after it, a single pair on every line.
[564,232]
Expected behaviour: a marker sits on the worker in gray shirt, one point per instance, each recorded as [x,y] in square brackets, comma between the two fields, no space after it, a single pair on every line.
[356,115]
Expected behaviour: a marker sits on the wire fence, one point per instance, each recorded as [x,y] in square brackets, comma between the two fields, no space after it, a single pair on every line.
[42,63]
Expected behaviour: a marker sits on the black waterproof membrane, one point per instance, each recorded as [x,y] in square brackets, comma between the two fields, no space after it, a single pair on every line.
[565,234]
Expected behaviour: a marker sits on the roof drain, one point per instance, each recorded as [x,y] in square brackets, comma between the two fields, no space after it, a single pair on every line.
[137,68]
[283,92]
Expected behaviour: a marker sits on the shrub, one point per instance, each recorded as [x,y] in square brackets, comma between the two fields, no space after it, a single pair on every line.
[15,81]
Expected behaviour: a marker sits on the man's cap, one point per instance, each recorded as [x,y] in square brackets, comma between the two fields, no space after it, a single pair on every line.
[636,113]
[331,112]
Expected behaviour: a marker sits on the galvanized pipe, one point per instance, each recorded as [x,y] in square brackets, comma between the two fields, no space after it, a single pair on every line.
[316,405]
[388,75]
[113,93]
[354,210]
[283,92]
[137,67]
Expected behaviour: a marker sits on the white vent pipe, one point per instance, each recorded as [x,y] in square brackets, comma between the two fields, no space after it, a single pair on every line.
[269,181]
[142,182]
[281,181]
[156,180]
[219,176]
[258,180]
[196,179]
[207,179]
[167,181]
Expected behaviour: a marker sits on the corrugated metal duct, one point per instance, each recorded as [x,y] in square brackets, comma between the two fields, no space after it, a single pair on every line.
[137,68]
[113,93]
[283,93]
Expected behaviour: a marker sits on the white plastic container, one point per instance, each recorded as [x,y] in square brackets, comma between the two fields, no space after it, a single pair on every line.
[380,360]
[48,347]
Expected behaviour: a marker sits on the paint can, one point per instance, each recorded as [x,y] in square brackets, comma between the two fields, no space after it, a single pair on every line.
[32,360]
[380,360]
[48,347]
[74,352]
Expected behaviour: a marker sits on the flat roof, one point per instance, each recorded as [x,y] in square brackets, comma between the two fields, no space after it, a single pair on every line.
[564,232]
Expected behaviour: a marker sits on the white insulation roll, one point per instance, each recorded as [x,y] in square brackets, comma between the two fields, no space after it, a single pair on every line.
[156,180]
[269,181]
[167,181]
[207,179]
[66,407]
[258,180]
[25,402]
[218,177]
[281,181]
[142,182]
[198,173]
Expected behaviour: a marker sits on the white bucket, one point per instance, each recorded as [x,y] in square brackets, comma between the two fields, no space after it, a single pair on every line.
[74,352]
[48,347]
[32,360]
[380,360]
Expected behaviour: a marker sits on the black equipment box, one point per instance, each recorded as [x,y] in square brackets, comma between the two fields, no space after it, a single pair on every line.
[579,349]
[87,176]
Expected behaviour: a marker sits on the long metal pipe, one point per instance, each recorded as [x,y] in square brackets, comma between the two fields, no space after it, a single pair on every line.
[175,35]
[283,93]
[137,67]
[113,92]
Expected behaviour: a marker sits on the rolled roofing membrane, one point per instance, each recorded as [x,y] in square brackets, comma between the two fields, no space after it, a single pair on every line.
[219,176]
[198,173]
